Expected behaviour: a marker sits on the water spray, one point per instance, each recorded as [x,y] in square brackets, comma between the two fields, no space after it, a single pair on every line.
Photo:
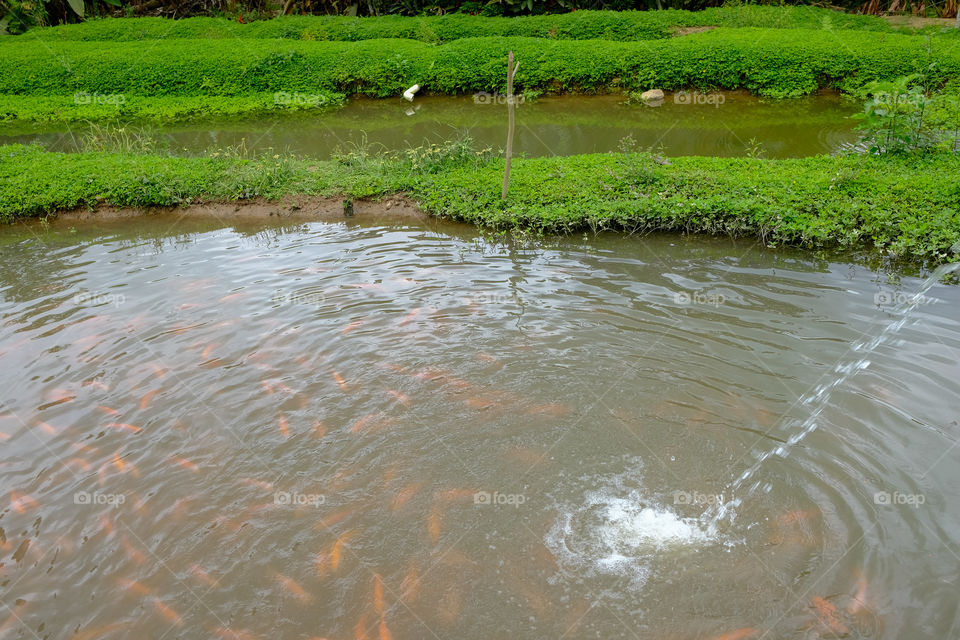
[818,399]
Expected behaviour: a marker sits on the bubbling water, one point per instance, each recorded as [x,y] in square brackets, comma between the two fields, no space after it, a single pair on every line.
[617,529]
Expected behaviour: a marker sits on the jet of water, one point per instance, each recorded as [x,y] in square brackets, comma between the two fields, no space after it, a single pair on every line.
[818,399]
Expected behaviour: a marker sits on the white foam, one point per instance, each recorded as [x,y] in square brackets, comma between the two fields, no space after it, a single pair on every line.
[636,526]
[617,530]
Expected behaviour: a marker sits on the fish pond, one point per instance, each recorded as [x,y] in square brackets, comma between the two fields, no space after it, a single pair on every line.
[410,429]
[710,124]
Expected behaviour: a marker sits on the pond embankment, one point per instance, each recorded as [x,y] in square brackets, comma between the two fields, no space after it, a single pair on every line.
[907,207]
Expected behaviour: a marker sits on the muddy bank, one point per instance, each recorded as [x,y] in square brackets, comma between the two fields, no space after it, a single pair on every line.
[392,209]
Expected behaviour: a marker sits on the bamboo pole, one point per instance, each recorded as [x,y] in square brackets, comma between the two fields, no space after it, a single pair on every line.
[511,108]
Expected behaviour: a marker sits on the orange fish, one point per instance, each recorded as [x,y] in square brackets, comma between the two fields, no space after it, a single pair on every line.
[234,634]
[124,426]
[110,411]
[295,589]
[378,603]
[859,601]
[148,398]
[284,428]
[106,525]
[746,633]
[337,549]
[232,297]
[334,518]
[133,553]
[319,430]
[78,462]
[16,617]
[85,448]
[350,327]
[828,615]
[434,525]
[431,374]
[409,317]
[22,501]
[478,402]
[410,587]
[340,381]
[403,495]
[58,396]
[186,464]
[135,587]
[360,630]
[180,506]
[167,612]
[99,632]
[458,383]
[369,420]
[389,475]
[102,473]
[450,604]
[399,397]
[125,466]
[259,484]
[139,503]
[384,632]
[321,563]
[197,572]
[455,495]
[46,427]
[798,516]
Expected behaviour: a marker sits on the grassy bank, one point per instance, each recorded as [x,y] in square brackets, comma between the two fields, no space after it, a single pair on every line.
[906,206]
[769,62]
[579,25]
[88,107]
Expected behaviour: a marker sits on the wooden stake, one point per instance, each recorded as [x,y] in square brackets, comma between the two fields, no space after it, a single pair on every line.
[511,107]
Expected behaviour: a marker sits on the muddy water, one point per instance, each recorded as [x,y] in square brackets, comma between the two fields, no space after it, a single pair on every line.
[715,124]
[411,431]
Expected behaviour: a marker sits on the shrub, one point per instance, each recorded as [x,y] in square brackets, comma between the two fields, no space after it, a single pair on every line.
[769,62]
[579,25]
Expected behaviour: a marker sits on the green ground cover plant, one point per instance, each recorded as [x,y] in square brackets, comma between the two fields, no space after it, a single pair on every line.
[579,25]
[904,205]
[768,62]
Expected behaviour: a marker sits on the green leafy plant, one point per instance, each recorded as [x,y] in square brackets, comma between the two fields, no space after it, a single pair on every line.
[893,116]
[440,22]
[784,63]
[902,205]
